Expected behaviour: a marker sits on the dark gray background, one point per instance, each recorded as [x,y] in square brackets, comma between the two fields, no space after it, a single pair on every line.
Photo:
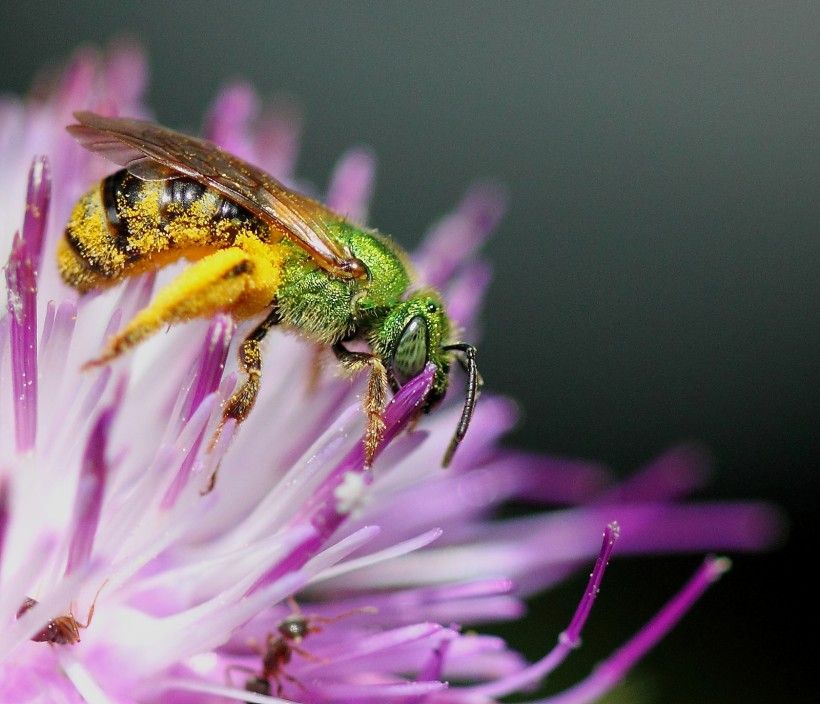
[657,275]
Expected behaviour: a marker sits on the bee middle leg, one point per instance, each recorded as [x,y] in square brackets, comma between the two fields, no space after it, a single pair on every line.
[374,399]
[241,402]
[250,360]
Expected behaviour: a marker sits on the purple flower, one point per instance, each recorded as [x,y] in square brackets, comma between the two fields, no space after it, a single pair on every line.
[101,472]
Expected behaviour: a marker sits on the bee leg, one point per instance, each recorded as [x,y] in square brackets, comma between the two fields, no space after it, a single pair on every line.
[250,360]
[213,284]
[374,400]
[242,400]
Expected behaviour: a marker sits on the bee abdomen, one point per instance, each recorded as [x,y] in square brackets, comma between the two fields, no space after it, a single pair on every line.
[126,224]
[180,194]
[115,189]
[178,201]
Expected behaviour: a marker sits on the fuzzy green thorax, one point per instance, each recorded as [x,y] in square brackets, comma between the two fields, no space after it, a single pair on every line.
[328,309]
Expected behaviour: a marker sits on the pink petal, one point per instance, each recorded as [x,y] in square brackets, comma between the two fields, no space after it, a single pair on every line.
[21,281]
[90,492]
[610,672]
[351,185]
[38,198]
[459,234]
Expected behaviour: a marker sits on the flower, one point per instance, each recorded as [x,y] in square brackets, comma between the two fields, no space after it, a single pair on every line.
[100,475]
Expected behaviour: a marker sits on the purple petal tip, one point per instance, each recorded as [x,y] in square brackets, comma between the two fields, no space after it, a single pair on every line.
[572,635]
[126,72]
[461,233]
[90,491]
[21,281]
[210,364]
[229,119]
[351,185]
[38,198]
[614,669]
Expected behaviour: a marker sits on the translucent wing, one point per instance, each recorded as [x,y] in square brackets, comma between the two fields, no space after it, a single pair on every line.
[146,149]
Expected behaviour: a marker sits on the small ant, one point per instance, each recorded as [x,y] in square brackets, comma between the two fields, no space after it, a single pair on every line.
[280,646]
[62,630]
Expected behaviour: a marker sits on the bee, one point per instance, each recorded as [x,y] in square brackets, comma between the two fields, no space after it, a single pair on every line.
[257,249]
[282,644]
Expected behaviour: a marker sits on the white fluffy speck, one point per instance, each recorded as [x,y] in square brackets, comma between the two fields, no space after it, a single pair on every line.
[350,493]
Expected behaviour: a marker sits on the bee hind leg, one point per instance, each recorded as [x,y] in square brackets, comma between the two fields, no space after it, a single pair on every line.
[374,400]
[213,284]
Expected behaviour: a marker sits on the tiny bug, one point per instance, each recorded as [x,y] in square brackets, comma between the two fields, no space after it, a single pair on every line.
[62,630]
[280,646]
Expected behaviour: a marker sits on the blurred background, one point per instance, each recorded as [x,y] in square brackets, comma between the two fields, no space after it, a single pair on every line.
[656,277]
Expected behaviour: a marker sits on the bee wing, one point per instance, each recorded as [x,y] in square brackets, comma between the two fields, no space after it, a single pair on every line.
[149,151]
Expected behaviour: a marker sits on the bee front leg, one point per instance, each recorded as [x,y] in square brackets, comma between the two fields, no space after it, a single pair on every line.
[374,399]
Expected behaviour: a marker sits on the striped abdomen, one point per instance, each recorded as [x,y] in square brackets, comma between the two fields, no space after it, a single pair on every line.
[125,226]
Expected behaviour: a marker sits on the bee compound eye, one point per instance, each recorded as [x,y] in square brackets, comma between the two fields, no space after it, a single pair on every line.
[411,350]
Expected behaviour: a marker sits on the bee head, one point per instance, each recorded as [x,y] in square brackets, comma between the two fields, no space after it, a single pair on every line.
[415,332]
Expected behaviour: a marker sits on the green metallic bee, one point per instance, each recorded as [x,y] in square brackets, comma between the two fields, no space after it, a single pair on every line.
[256,248]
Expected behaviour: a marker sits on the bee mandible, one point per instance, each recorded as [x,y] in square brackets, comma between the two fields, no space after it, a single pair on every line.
[257,250]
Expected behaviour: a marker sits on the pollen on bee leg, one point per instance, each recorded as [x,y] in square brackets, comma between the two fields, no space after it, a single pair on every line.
[211,285]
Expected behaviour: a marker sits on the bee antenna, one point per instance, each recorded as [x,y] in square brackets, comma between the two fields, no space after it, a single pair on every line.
[474,383]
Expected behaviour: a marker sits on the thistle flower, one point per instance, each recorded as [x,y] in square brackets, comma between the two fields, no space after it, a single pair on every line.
[101,472]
